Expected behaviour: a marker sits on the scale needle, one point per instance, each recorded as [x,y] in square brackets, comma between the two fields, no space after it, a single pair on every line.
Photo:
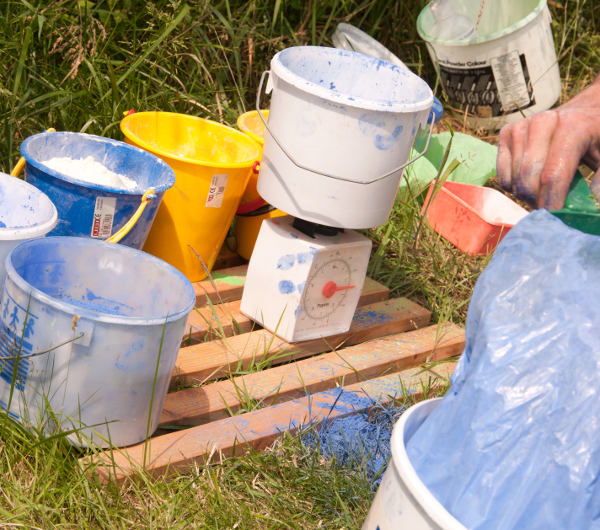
[331,288]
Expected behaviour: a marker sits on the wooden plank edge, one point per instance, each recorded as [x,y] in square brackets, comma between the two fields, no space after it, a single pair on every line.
[216,359]
[346,366]
[181,451]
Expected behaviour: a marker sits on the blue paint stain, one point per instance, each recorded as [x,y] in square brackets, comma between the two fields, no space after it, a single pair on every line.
[91,296]
[286,287]
[414,130]
[294,236]
[332,86]
[298,311]
[306,257]
[2,225]
[372,125]
[301,287]
[286,262]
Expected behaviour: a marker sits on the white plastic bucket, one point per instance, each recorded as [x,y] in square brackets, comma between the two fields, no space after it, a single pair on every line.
[512,61]
[344,114]
[402,500]
[25,213]
[133,308]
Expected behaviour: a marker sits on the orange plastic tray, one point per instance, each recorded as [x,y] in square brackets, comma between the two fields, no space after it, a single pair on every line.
[472,218]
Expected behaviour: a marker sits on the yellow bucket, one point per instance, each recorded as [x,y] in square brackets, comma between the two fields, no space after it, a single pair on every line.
[253,209]
[212,165]
[247,227]
[251,124]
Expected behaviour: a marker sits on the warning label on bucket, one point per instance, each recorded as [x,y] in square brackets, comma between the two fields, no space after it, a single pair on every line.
[492,89]
[104,214]
[216,191]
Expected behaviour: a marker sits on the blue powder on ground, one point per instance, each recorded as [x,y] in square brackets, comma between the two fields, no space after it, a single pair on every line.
[360,440]
[94,307]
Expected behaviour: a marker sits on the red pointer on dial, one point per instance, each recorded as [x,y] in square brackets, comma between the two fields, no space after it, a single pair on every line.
[331,288]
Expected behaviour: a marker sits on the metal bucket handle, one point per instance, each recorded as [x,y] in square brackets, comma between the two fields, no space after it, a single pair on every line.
[262,79]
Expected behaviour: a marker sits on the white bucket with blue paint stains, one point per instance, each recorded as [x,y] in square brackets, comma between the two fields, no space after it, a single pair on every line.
[338,122]
[126,311]
[508,71]
[402,500]
[25,213]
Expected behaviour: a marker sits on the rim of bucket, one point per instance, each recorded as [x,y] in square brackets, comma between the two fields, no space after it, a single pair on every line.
[88,313]
[430,505]
[37,230]
[139,191]
[153,149]
[295,80]
[241,123]
[478,40]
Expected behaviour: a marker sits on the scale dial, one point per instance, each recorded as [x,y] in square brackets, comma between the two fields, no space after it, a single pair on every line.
[333,287]
[316,303]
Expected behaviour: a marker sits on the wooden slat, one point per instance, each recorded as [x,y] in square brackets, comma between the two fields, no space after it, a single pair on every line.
[182,450]
[346,366]
[212,360]
[227,258]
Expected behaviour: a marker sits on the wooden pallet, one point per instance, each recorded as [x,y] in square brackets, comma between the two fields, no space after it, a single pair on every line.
[375,358]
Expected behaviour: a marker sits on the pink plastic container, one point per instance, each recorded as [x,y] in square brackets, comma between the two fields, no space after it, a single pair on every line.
[472,218]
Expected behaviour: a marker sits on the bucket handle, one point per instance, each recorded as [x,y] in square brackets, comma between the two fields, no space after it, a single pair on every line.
[262,79]
[21,163]
[146,198]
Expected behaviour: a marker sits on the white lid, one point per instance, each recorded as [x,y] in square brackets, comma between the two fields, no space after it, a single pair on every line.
[441,9]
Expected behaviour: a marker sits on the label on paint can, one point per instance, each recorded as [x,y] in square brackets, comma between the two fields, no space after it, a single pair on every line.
[216,191]
[104,214]
[488,89]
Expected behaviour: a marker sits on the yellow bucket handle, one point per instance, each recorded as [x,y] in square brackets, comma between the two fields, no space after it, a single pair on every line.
[21,163]
[146,198]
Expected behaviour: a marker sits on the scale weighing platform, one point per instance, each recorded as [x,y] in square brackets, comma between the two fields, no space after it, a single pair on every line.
[304,280]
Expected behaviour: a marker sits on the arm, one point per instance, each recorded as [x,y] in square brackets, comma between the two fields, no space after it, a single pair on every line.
[538,156]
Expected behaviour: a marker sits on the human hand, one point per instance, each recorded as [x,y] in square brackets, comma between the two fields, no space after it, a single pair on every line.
[538,156]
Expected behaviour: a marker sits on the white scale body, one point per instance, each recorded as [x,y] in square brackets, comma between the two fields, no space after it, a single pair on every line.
[302,288]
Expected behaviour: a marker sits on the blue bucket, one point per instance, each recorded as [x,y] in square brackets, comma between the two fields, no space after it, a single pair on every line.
[94,210]
[132,309]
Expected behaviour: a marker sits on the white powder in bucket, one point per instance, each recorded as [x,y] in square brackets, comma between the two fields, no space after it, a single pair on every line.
[89,170]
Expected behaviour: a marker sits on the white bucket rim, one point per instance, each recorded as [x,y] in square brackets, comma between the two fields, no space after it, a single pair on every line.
[358,34]
[33,231]
[479,40]
[284,73]
[430,505]
[89,314]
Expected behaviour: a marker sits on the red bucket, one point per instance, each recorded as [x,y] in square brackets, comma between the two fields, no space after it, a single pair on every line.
[472,218]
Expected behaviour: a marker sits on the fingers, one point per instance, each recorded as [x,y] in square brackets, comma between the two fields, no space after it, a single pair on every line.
[566,150]
[526,182]
[504,160]
[595,186]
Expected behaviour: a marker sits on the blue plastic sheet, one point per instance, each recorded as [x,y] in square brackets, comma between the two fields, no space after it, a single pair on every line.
[515,444]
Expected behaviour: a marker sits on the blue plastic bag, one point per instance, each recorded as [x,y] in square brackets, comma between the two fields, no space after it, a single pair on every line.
[515,444]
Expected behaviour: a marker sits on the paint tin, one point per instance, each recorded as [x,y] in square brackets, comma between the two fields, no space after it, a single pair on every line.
[402,500]
[126,311]
[348,119]
[510,68]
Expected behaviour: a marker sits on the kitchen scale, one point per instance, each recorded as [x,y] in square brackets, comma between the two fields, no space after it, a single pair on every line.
[304,280]
[340,130]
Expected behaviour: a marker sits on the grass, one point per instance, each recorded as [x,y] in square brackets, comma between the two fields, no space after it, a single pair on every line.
[76,65]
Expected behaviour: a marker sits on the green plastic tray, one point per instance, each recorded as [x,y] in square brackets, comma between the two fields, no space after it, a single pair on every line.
[580,211]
